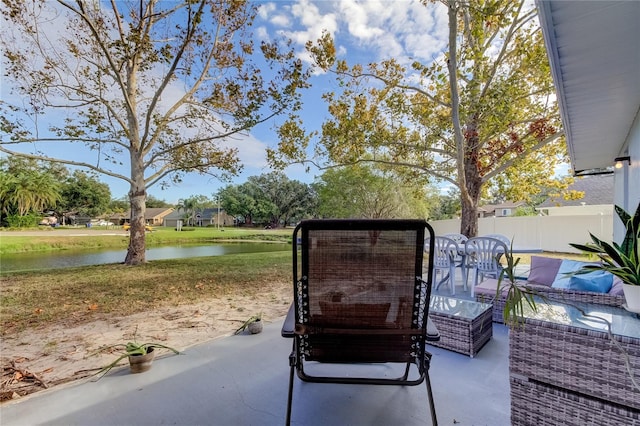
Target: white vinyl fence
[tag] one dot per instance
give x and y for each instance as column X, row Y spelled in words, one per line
column 550, row 233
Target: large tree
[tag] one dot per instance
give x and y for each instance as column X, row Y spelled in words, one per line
column 270, row 198
column 359, row 191
column 83, row 193
column 483, row 113
column 246, row 200
column 291, row 199
column 152, row 89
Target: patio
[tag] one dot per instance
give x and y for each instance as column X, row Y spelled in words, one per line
column 242, row 380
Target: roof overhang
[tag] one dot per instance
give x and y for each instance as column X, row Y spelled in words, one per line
column 594, row 52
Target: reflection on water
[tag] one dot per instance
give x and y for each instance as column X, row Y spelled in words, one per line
column 69, row 258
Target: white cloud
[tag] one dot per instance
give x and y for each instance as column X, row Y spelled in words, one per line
column 356, row 16
column 265, row 10
column 311, row 20
column 251, row 150
column 375, row 29
column 262, row 33
column 280, row 20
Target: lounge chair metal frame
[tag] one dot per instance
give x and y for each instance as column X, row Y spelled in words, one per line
column 369, row 257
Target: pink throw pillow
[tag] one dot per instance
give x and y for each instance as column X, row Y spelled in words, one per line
column 616, row 288
column 544, row 270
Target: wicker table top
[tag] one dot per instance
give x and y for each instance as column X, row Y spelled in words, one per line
column 587, row 316
column 466, row 309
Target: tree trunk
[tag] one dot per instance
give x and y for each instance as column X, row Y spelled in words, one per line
column 473, row 181
column 136, row 253
column 469, row 218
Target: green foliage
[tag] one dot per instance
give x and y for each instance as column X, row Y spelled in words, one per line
column 517, row 296
column 251, row 319
column 361, row 191
column 29, row 220
column 153, row 202
column 621, row 260
column 82, row 193
column 28, row 187
column 130, row 349
column 120, row 205
column 447, row 207
column 270, row 198
column 525, row 211
column 244, row 200
column 291, row 200
column 475, row 117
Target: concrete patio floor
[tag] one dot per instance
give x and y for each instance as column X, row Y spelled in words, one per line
column 242, row 380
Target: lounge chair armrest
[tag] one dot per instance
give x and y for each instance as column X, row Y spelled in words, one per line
column 289, row 325
column 433, row 335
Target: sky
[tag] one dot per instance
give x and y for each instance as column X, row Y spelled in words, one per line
column 364, row 32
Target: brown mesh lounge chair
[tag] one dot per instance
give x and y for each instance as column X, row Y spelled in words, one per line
column 359, row 297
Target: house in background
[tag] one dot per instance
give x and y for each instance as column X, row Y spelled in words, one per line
column 152, row 216
column 214, row 217
column 505, row 209
column 204, row 217
column 117, row 218
column 597, row 199
column 594, row 53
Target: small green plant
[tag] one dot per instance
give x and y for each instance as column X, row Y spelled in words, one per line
column 254, row 318
column 517, row 296
column 129, row 349
column 621, row 260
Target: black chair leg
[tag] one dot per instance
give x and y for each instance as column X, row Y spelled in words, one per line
column 292, row 363
column 427, row 380
column 432, row 407
column 288, row 421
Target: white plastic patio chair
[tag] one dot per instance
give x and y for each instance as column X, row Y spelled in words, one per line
column 484, row 254
column 461, row 258
column 444, row 261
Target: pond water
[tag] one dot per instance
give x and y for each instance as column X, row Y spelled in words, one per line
column 70, row 258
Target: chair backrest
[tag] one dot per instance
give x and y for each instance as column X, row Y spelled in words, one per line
column 358, row 288
column 500, row 237
column 485, row 252
column 445, row 251
column 460, row 239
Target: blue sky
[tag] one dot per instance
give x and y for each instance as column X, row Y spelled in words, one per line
column 365, row 31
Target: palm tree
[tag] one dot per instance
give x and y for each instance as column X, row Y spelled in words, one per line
column 27, row 189
column 190, row 206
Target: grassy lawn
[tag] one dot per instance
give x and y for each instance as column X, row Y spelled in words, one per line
column 56, row 240
column 83, row 294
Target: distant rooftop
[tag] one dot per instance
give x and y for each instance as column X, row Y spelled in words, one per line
column 491, row 208
column 598, row 190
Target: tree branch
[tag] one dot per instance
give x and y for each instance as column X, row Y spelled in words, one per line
column 69, row 162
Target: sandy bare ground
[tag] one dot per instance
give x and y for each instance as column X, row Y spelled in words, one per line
column 60, row 353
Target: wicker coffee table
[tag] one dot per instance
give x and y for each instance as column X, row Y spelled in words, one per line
column 465, row 326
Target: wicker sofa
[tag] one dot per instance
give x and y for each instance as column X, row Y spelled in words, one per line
column 543, row 273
